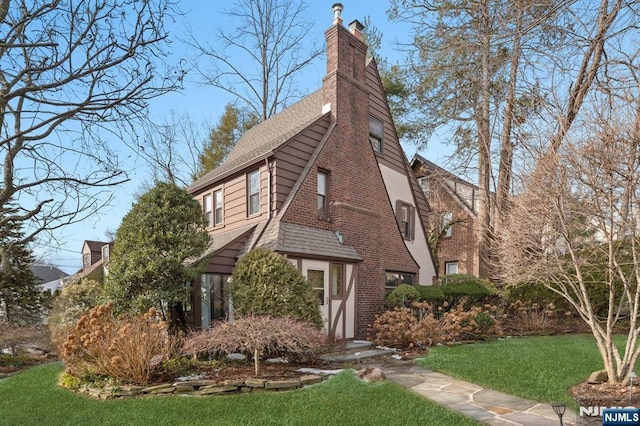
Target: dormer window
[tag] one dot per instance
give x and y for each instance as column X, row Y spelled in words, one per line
column 105, row 254
column 376, row 130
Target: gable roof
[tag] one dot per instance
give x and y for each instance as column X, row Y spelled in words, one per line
column 447, row 178
column 291, row 238
column 94, row 246
column 266, row 137
column 47, row 273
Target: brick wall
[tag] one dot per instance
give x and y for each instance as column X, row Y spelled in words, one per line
column 359, row 205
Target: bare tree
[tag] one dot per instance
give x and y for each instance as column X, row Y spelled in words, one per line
column 75, row 80
column 576, row 227
column 257, row 61
column 171, row 149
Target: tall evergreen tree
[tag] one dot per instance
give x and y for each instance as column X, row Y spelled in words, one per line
column 155, row 252
column 233, row 123
column 21, row 303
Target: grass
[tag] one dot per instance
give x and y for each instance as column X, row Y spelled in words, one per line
column 541, row 368
column 33, row 397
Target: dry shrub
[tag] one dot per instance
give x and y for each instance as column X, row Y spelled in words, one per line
column 128, row 349
column 257, row 336
column 394, row 328
column 531, row 318
column 423, row 326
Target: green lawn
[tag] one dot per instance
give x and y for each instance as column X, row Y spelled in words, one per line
column 32, row 397
column 541, row 368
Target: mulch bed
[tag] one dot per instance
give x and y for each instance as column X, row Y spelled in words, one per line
column 605, row 394
column 267, row 371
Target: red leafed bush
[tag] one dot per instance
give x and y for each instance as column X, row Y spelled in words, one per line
column 128, row 349
column 257, row 336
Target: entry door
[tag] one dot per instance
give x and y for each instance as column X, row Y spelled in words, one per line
column 334, row 286
column 317, row 273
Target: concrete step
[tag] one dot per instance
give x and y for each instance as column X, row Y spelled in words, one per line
column 357, row 351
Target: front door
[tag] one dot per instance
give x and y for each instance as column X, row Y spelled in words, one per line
column 317, row 273
column 333, row 283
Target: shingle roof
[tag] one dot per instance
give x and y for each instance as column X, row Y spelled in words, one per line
column 46, row 273
column 266, row 137
column 297, row 239
column 220, row 241
column 95, row 246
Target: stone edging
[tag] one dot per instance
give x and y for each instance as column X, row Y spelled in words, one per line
column 201, row 387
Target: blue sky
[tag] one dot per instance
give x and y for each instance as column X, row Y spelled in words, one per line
column 204, row 104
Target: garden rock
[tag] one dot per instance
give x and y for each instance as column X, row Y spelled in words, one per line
column 371, row 374
column 597, row 377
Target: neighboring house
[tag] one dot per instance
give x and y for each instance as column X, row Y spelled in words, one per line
column 454, row 203
column 326, row 183
column 95, row 255
column 48, row 277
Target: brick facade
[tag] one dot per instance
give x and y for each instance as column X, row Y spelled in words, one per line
column 462, row 245
column 359, row 205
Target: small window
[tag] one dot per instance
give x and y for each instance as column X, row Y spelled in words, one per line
column 253, row 193
column 105, row 254
column 394, row 279
column 323, row 182
column 450, row 268
column 376, row 130
column 406, row 219
column 336, row 280
column 447, row 225
column 207, row 207
column 424, row 184
column 316, row 279
column 86, row 261
column 218, row 207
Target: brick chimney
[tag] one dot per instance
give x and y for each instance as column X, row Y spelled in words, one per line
column 346, row 60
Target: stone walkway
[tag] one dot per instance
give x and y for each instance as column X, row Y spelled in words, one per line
column 485, row 405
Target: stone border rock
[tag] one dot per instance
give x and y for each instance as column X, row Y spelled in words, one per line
column 201, row 387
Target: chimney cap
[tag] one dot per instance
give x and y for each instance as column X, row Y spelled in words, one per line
column 337, row 12
column 356, row 25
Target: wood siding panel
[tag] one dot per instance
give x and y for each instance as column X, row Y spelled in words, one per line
column 392, row 156
column 293, row 157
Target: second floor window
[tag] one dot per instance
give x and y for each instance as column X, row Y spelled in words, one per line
column 218, row 207
column 447, row 225
column 405, row 214
column 376, row 130
column 253, row 193
column 323, row 182
column 207, row 206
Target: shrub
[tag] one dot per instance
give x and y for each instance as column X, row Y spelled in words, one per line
column 75, row 300
column 464, row 324
column 257, row 336
column 393, row 328
column 431, row 294
column 266, row 283
column 403, row 295
column 425, row 326
column 128, row 349
column 473, row 290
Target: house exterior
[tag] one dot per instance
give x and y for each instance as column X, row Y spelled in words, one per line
column 324, row 182
column 48, row 277
column 454, row 202
column 95, row 254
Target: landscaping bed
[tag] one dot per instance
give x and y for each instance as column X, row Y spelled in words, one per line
column 605, row 395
